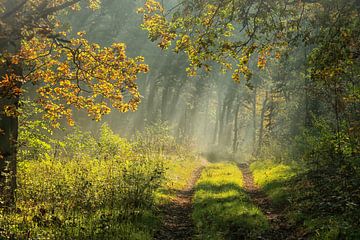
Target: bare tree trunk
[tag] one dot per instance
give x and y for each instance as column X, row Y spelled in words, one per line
column 164, row 103
column 236, row 127
column 206, row 116
column 226, row 139
column 269, row 116
column 261, row 130
column 254, row 118
column 222, row 123
column 150, row 102
column 175, row 100
column 217, row 121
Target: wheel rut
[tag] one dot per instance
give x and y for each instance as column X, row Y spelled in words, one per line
column 279, row 226
column 177, row 221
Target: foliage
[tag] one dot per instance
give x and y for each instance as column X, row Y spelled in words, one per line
column 77, row 74
column 226, row 32
column 35, row 135
column 156, row 137
column 222, row 209
column 81, row 196
column 322, row 148
column 320, row 201
column 180, row 163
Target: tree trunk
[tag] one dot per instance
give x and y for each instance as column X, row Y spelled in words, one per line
column 222, row 123
column 205, row 122
column 254, row 119
column 174, row 101
column 261, row 130
column 9, row 126
column 164, row 103
column 8, row 150
column 236, row 127
column 217, row 121
column 150, row 102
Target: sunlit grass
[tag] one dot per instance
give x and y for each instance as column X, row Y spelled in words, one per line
column 311, row 203
column 271, row 178
column 178, row 173
column 222, row 209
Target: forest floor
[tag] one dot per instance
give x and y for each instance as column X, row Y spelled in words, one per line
column 279, row 226
column 177, row 221
column 178, row 224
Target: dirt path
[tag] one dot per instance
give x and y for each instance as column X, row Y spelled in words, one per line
column 279, row 227
column 178, row 224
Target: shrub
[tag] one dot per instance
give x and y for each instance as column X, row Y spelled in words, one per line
column 97, row 188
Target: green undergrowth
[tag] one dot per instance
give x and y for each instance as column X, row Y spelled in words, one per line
column 95, row 187
column 179, row 171
column 222, row 209
column 273, row 178
column 323, row 204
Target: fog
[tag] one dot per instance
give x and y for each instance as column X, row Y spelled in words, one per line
column 210, row 110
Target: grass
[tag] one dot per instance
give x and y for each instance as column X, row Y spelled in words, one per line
column 178, row 173
column 222, row 209
column 272, row 178
column 103, row 187
column 314, row 201
column 82, row 199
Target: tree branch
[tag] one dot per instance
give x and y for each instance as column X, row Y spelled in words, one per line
column 55, row 9
column 14, row 10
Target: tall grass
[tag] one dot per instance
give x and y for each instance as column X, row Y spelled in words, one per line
column 92, row 188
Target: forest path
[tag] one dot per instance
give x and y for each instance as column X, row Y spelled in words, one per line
column 178, row 224
column 279, row 226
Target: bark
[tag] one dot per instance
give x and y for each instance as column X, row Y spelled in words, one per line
column 9, row 126
column 164, row 103
column 254, row 118
column 236, row 127
column 217, row 121
column 206, row 117
column 8, row 150
column 269, row 116
column 175, row 100
column 222, row 122
column 150, row 102
column 261, row 130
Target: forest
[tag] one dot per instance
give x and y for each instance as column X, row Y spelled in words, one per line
column 180, row 119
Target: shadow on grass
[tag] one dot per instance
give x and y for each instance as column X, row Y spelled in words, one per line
column 219, row 188
column 279, row 191
column 224, row 211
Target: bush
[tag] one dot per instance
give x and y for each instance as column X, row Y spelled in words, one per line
column 98, row 188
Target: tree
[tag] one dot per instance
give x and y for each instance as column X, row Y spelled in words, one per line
column 238, row 33
column 67, row 72
column 226, row 32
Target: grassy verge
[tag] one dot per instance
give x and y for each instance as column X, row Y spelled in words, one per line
column 179, row 172
column 315, row 201
column 96, row 187
column 222, row 210
column 273, row 178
